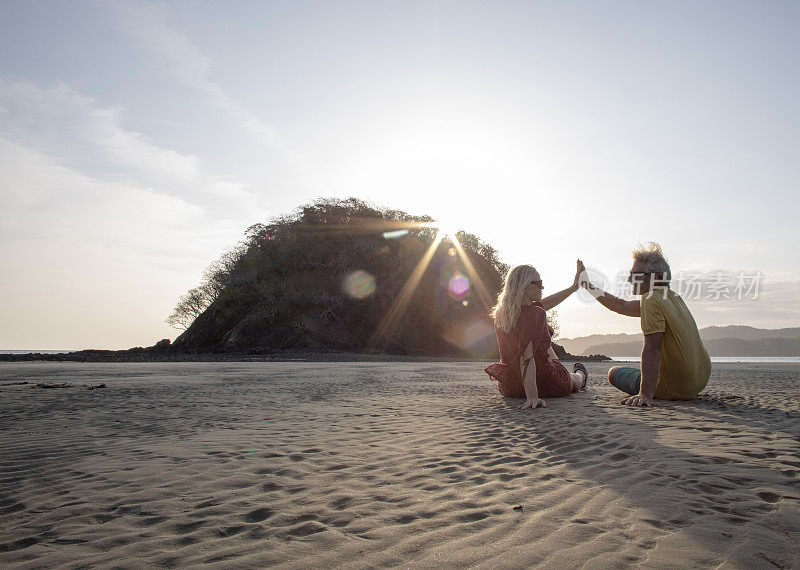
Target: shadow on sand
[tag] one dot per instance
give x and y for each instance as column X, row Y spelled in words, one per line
column 711, row 472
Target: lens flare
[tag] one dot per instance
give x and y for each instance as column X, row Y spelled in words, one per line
column 484, row 297
column 451, row 252
column 390, row 320
column 394, row 234
column 359, row 284
column 458, row 285
column 475, row 337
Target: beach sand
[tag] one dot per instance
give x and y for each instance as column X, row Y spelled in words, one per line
column 380, row 464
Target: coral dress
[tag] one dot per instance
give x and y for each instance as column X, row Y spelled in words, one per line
column 552, row 379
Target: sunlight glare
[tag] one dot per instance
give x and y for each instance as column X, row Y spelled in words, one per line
column 390, row 320
column 448, row 228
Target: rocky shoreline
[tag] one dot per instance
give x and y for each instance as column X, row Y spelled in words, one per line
column 163, row 351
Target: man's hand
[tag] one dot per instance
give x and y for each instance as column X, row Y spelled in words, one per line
column 532, row 404
column 638, row 400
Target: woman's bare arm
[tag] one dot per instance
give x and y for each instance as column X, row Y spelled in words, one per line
column 532, row 400
column 556, row 298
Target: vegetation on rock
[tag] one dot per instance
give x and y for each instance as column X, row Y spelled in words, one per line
column 346, row 275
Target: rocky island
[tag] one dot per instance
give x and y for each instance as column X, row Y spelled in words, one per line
column 336, row 280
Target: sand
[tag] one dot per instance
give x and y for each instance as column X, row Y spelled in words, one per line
column 304, row 465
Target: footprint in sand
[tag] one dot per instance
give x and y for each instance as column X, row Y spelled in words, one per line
column 231, row 531
column 768, row 497
column 150, row 521
column 307, row 529
column 206, row 504
column 186, row 528
column 341, row 502
column 258, row 515
column 19, row 544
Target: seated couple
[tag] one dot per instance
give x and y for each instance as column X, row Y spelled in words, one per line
column 675, row 364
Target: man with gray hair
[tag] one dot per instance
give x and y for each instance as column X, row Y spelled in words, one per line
column 675, row 364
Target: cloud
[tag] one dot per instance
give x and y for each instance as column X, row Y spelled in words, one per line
column 93, row 262
column 147, row 22
column 78, row 133
column 103, row 228
column 50, row 202
column 63, row 123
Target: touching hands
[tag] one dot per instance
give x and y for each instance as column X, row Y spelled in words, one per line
column 532, row 404
column 578, row 272
column 638, row 400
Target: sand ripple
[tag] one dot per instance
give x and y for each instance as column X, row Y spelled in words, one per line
column 396, row 464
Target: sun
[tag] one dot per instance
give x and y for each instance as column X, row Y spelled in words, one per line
column 448, row 227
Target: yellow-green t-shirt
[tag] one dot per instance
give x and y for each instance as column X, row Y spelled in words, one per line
column 685, row 364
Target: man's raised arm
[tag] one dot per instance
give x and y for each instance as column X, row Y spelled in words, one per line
column 612, row 303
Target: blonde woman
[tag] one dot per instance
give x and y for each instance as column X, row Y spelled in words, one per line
column 526, row 368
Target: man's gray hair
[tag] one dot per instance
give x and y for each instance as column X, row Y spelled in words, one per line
column 651, row 254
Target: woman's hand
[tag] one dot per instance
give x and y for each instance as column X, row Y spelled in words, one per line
column 532, row 404
column 578, row 272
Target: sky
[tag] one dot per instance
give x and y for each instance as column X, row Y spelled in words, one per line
column 138, row 140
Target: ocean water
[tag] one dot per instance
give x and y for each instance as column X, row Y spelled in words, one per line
column 751, row 359
column 35, row 350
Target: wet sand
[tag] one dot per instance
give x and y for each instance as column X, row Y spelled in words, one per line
column 390, row 464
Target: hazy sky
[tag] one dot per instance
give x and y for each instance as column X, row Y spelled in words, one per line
column 138, row 140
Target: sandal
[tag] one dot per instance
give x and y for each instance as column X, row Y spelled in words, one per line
column 582, row 368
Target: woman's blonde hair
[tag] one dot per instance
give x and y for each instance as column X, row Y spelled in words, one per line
column 510, row 300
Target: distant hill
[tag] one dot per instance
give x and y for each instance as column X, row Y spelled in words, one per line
column 580, row 345
column 733, row 340
column 756, row 347
column 747, row 333
column 632, row 348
